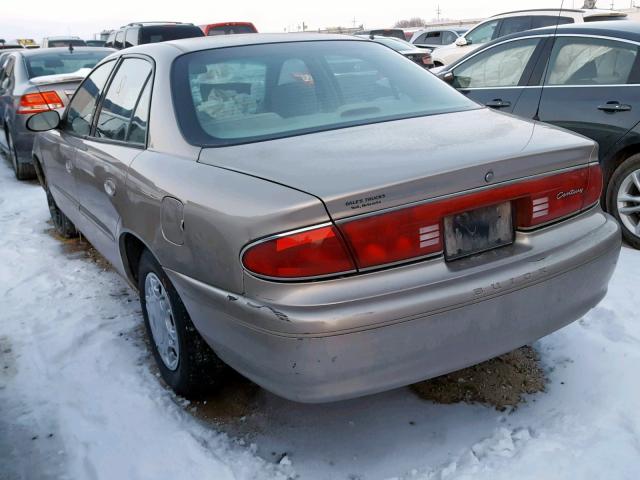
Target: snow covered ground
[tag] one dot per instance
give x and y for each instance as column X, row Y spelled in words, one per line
column 79, row 396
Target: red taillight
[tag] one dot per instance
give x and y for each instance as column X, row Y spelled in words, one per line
column 309, row 253
column 39, row 102
column 414, row 232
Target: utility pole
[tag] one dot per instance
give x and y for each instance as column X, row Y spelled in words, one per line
column 438, row 12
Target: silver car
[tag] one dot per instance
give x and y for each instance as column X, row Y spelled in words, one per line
column 322, row 214
column 34, row 81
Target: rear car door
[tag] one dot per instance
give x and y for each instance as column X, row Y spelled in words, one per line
column 498, row 76
column 592, row 86
column 103, row 159
column 59, row 146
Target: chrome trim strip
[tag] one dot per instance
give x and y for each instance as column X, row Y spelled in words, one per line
column 458, row 194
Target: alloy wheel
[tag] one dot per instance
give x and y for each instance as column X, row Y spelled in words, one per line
column 161, row 321
column 628, row 202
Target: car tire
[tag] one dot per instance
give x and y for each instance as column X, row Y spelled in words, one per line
column 623, row 199
column 23, row 171
column 187, row 364
column 61, row 222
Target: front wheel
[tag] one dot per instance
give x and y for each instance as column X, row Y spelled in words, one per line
column 61, row 222
column 187, row 364
column 623, row 199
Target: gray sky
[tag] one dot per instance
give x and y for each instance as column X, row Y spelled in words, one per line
column 39, row 18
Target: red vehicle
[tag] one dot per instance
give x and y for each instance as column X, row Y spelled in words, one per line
column 228, row 28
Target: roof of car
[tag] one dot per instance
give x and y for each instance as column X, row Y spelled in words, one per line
column 586, row 11
column 242, row 39
column 624, row 29
column 33, row 52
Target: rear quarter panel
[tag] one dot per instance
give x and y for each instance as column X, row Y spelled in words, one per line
column 223, row 211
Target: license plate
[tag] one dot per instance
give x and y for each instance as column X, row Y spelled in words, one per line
column 478, row 230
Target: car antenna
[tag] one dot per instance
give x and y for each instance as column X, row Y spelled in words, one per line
column 544, row 74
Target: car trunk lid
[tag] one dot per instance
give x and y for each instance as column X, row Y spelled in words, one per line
column 368, row 168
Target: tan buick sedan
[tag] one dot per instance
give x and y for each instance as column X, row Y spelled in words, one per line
column 322, row 214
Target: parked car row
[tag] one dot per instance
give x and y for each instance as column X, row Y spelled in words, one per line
column 320, row 213
column 583, row 77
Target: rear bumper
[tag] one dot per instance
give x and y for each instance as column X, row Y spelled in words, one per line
column 325, row 351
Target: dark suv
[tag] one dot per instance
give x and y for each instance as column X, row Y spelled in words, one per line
column 139, row 33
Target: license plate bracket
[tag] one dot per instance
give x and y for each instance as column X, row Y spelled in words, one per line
column 478, row 230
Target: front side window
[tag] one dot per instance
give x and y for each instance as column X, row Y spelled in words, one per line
column 448, row 38
column 500, row 66
column 590, row 61
column 121, row 99
column 482, row 33
column 58, row 63
column 83, row 105
column 251, row 93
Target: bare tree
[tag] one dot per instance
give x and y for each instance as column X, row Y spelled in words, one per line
column 412, row 22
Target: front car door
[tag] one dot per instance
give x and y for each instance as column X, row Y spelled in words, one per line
column 103, row 158
column 58, row 147
column 592, row 87
column 499, row 76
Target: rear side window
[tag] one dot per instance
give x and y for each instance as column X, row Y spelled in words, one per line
column 230, row 29
column 514, row 25
column 119, row 41
column 83, row 105
column 549, row 21
column 500, row 66
column 164, row 33
column 434, row 38
column 591, row 61
column 260, row 92
column 62, row 62
column 131, row 37
column 121, row 99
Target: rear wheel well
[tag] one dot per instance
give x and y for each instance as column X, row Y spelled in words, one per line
column 617, row 159
column 39, row 172
column 132, row 248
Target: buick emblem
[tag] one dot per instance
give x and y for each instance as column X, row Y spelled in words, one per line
column 489, row 176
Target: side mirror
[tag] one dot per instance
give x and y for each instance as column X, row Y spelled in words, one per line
column 447, row 77
column 43, row 121
column 461, row 42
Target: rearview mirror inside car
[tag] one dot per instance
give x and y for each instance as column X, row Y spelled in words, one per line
column 461, row 42
column 41, row 122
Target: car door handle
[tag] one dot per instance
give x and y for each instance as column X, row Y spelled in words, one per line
column 498, row 103
column 110, row 187
column 613, row 107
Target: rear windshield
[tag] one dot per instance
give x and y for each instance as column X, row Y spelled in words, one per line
column 231, row 29
column 62, row 62
column 164, row 33
column 66, row 43
column 395, row 43
column 259, row 92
